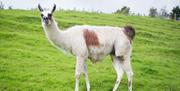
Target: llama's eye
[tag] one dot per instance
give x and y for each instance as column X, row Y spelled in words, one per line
column 42, row 15
column 49, row 15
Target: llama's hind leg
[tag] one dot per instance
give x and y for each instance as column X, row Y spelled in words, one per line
column 120, row 49
column 126, row 64
column 119, row 71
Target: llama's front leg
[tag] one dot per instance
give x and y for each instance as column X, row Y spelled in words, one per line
column 86, row 77
column 128, row 69
column 119, row 71
column 79, row 70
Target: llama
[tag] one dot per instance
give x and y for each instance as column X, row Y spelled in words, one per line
column 93, row 42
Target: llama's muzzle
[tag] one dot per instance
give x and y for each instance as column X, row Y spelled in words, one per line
column 46, row 20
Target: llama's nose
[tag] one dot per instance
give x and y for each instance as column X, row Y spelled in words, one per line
column 45, row 18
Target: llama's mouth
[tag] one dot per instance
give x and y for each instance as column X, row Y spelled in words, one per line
column 47, row 22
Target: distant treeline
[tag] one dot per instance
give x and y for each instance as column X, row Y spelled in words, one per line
column 153, row 12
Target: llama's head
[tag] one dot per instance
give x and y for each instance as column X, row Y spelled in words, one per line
column 46, row 15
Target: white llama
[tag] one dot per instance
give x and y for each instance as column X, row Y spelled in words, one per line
column 93, row 42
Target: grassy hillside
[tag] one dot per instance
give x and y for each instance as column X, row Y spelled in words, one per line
column 29, row 62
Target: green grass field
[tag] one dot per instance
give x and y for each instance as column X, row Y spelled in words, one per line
column 29, row 63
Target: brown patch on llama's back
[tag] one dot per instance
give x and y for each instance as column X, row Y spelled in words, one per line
column 91, row 38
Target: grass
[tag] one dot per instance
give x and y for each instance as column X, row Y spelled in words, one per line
column 29, row 63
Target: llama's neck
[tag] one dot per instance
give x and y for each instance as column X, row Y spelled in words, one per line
column 52, row 30
column 55, row 35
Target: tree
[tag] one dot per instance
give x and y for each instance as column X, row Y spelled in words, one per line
column 153, row 12
column 10, row 8
column 1, row 5
column 163, row 13
column 175, row 13
column 124, row 10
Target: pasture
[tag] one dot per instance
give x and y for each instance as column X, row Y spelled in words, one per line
column 28, row 62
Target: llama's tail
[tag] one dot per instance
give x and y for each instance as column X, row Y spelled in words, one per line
column 129, row 32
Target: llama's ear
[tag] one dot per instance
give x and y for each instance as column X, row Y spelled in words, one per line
column 54, row 8
column 40, row 9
